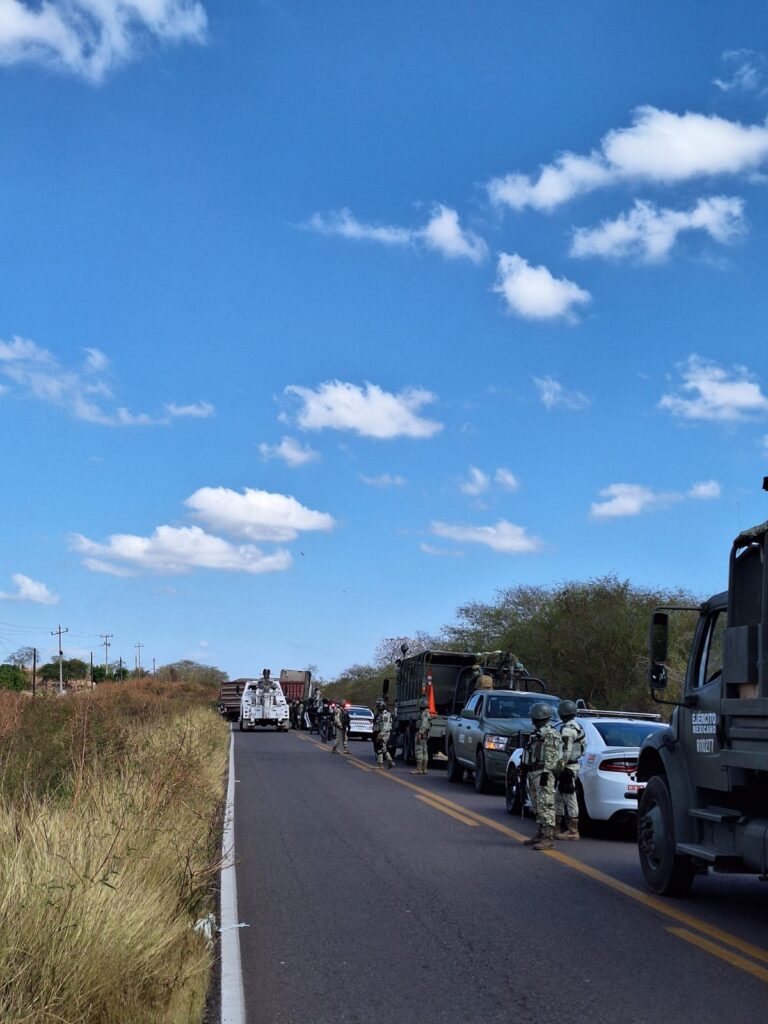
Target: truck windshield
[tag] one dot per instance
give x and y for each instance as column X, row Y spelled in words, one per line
column 515, row 707
column 626, row 734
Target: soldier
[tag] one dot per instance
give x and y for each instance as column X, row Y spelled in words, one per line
column 574, row 743
column 423, row 725
column 382, row 726
column 341, row 723
column 541, row 759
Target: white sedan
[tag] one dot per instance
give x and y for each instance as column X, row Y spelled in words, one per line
column 360, row 721
column 607, row 789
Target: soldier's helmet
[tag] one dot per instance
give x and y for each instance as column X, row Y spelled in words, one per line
column 423, row 703
column 381, row 703
column 541, row 712
column 567, row 710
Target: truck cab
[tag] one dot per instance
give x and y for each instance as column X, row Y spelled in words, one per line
column 263, row 704
column 705, row 805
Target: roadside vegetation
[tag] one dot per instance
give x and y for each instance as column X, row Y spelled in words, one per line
column 110, row 805
column 585, row 639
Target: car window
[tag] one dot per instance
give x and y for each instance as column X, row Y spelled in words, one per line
column 472, row 704
column 510, row 706
column 626, row 734
column 480, row 706
column 360, row 712
column 711, row 663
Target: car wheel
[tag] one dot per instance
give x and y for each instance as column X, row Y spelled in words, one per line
column 513, row 793
column 482, row 785
column 665, row 871
column 455, row 770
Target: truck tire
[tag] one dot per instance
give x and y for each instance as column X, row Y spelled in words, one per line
column 482, row 783
column 455, row 770
column 666, row 872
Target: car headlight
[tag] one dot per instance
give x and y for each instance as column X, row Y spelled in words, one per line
column 495, row 742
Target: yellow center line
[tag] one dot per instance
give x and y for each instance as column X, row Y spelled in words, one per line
column 723, row 954
column 663, row 907
column 446, row 810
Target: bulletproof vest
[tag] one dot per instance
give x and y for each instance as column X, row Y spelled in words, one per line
column 577, row 736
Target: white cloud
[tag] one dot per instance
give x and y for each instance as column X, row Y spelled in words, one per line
column 744, row 71
column 503, row 536
column 712, row 393
column 368, row 411
column 659, row 147
column 443, row 233
column 478, row 482
column 630, row 500
column 84, row 392
column 255, row 515
column 553, row 394
column 174, row 551
column 29, row 590
column 705, row 490
column 533, row 292
column 384, row 480
column 506, row 479
column 290, row 451
column 649, row 233
column 195, row 410
column 90, row 38
column 430, row 549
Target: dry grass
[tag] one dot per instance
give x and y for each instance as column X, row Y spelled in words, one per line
column 108, row 858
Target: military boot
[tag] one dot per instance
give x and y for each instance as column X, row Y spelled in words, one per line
column 559, row 826
column 416, row 771
column 573, row 829
column 547, row 840
column 536, row 838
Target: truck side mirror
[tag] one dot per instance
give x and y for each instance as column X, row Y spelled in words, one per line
column 659, row 636
column 658, row 676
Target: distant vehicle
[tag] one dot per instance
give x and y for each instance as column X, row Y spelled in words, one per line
column 263, row 704
column 229, row 698
column 607, row 786
column 296, row 684
column 481, row 738
column 360, row 721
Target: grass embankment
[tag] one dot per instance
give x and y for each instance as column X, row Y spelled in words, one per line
column 109, row 848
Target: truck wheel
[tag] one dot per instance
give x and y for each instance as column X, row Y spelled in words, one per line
column 665, row 871
column 513, row 793
column 482, row 785
column 455, row 771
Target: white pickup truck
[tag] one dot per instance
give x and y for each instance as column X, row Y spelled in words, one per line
column 262, row 704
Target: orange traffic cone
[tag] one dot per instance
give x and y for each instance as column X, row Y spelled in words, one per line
column 430, row 694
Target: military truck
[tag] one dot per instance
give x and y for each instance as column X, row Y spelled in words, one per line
column 447, row 679
column 705, row 804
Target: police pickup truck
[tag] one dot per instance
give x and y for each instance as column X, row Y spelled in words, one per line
column 490, row 726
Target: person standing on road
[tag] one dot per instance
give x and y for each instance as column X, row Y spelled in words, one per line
column 423, row 725
column 382, row 727
column 574, row 741
column 341, row 723
column 541, row 759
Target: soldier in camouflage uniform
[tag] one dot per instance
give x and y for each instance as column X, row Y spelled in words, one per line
column 541, row 759
column 382, row 726
column 423, row 725
column 574, row 743
column 341, row 724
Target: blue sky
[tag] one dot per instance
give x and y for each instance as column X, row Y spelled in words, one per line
column 319, row 320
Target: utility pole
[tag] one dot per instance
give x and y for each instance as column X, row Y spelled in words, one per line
column 34, row 670
column 154, row 667
column 138, row 657
column 91, row 677
column 57, row 632
column 120, row 669
column 106, row 637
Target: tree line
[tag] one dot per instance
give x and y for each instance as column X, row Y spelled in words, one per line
column 15, row 673
column 585, row 639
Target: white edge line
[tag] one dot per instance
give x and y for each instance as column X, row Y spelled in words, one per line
column 232, row 997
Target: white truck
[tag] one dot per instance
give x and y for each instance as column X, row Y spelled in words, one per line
column 262, row 704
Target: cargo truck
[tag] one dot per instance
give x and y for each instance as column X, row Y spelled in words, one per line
column 447, row 679
column 705, row 803
column 296, row 684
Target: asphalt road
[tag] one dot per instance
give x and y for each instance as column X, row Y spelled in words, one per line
column 377, row 896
